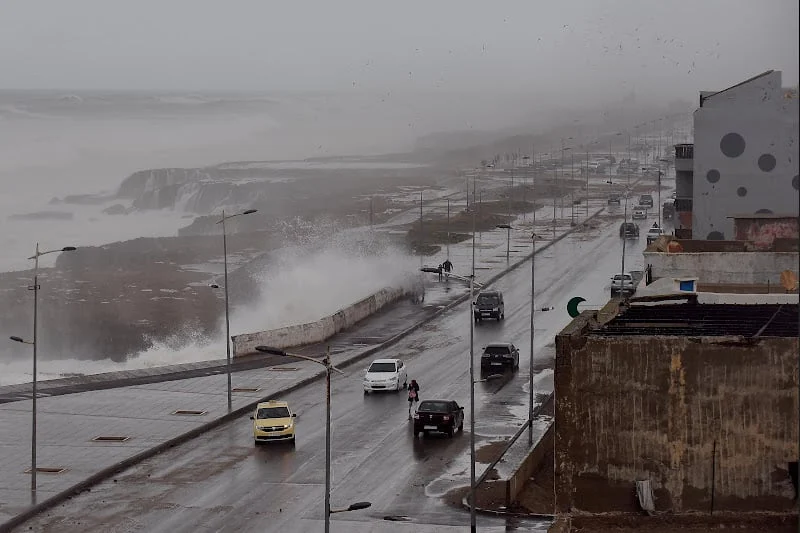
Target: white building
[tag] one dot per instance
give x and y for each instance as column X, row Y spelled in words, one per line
column 746, row 154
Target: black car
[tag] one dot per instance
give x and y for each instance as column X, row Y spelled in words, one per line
column 614, row 200
column 629, row 230
column 443, row 416
column 500, row 355
column 489, row 304
column 646, row 200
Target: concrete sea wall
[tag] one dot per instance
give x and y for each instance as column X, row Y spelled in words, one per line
column 318, row 331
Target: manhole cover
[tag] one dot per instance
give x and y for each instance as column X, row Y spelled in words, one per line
column 111, row 438
column 47, row 470
column 245, row 389
column 397, row 518
column 286, row 368
column 188, row 412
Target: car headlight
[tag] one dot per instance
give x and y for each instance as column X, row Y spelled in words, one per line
column 496, row 309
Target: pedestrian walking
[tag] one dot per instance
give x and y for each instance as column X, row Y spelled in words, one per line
column 413, row 395
column 447, row 266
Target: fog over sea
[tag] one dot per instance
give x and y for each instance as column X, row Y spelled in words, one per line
column 59, row 143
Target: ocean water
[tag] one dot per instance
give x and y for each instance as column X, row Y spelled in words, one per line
column 54, row 144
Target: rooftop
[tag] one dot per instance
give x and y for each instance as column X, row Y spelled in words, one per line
column 698, row 320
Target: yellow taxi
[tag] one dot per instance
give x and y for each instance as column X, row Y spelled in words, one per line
column 273, row 420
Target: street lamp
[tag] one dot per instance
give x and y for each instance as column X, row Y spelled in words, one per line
column 35, row 289
column 227, row 308
column 472, row 518
column 326, row 362
column 508, row 238
column 353, row 507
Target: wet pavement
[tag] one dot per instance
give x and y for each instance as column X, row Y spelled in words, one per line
column 220, row 481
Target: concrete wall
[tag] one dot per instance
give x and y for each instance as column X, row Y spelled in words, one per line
column 318, row 331
column 723, row 267
column 745, row 155
column 532, row 463
column 650, row 407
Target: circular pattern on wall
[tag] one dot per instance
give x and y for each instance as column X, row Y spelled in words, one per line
column 764, row 212
column 712, row 175
column 766, row 162
column 732, row 144
column 796, row 182
column 715, row 236
column 741, row 191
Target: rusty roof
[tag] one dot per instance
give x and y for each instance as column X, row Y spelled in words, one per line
column 701, row 320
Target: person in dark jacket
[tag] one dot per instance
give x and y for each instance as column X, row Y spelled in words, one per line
column 413, row 395
column 447, row 266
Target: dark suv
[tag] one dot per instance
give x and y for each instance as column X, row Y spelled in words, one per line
column 499, row 355
column 629, row 230
column 444, row 416
column 489, row 304
column 646, row 200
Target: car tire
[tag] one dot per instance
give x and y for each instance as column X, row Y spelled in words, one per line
column 292, row 442
column 451, row 431
column 366, row 392
column 256, row 443
column 502, row 316
column 461, row 426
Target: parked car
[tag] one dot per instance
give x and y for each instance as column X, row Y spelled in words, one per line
column 614, row 199
column 385, row 374
column 273, row 420
column 639, row 213
column 500, row 355
column 489, row 304
column 654, row 233
column 629, row 230
column 622, row 283
column 443, row 416
column 646, row 200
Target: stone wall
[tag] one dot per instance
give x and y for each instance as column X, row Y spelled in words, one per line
column 318, row 331
column 723, row 267
column 655, row 407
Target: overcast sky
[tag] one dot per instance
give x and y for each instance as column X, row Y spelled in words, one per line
column 603, row 46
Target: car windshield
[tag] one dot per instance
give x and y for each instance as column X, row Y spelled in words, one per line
column 434, row 407
column 497, row 350
column 272, row 412
column 618, row 277
column 381, row 367
column 488, row 299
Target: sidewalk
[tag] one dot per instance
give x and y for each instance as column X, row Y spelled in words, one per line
column 146, row 413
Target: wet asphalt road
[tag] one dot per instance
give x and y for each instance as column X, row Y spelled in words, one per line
column 222, row 482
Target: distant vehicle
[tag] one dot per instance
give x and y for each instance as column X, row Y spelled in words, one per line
column 273, row 420
column 500, row 354
column 668, row 210
column 673, row 195
column 639, row 213
column 443, row 416
column 646, row 200
column 622, row 283
column 654, row 233
column 629, row 230
column 614, row 199
column 385, row 374
column 489, row 304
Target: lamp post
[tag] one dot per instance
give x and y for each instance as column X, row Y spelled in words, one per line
column 227, row 308
column 472, row 517
column 35, row 289
column 326, row 362
column 533, row 335
column 507, row 227
column 473, row 524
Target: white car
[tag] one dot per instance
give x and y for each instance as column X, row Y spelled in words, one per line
column 639, row 214
column 385, row 374
column 653, row 234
